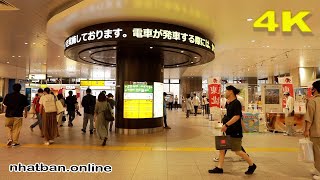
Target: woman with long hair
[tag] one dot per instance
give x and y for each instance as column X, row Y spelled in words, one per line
column 48, row 111
column 101, row 123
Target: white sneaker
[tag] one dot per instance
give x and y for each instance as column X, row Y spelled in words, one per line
column 316, row 177
column 51, row 141
column 46, row 143
column 216, row 159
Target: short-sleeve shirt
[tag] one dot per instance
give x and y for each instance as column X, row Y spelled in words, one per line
column 234, row 109
column 313, row 116
column 15, row 103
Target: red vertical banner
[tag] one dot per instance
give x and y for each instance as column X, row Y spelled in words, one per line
column 287, row 88
column 214, row 91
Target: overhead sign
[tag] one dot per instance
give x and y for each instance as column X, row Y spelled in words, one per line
column 38, row 76
column 92, row 83
column 139, row 31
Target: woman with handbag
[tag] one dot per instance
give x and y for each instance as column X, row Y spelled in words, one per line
column 48, row 110
column 103, row 114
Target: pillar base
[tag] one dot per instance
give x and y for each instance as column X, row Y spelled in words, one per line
column 138, row 131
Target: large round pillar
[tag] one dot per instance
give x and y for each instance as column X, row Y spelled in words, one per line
column 137, row 63
column 139, row 51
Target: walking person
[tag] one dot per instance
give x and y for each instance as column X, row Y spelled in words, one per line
column 165, row 111
column 112, row 104
column 196, row 103
column 289, row 120
column 183, row 104
column 61, row 115
column 189, row 105
column 71, row 102
column 232, row 126
column 36, row 105
column 101, row 123
column 171, row 102
column 88, row 103
column 49, row 116
column 15, row 103
column 176, row 102
column 312, row 127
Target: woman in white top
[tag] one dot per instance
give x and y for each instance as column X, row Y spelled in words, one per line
column 48, row 111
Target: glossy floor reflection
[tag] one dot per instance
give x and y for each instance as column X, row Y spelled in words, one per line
column 184, row 152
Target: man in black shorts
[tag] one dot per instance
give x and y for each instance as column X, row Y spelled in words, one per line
column 232, row 126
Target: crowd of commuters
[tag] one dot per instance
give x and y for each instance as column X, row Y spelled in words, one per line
column 48, row 118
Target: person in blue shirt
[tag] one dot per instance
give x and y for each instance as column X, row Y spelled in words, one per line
column 165, row 111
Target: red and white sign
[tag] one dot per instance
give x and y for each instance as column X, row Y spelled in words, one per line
column 287, row 86
column 214, row 91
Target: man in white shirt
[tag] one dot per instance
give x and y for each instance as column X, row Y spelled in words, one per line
column 196, row 103
column 290, row 118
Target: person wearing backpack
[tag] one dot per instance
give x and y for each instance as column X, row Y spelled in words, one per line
column 103, row 114
column 88, row 103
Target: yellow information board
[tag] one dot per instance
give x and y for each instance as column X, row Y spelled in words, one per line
column 138, row 108
column 91, row 83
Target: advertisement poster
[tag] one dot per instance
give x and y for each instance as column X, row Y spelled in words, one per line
column 251, row 122
column 287, row 86
column 272, row 96
column 158, row 100
column 138, row 100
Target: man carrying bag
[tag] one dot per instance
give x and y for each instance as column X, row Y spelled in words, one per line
column 232, row 127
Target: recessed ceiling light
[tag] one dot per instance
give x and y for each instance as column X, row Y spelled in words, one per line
column 309, row 46
column 58, row 56
column 13, row 56
column 84, row 57
column 94, row 62
column 25, row 43
column 44, row 63
column 114, row 47
column 182, row 51
column 249, row 19
column 195, row 57
column 151, row 47
column 191, row 62
column 253, row 41
column 90, row 51
column 113, row 57
column 268, row 46
column 33, row 43
column 19, row 56
column 8, row 62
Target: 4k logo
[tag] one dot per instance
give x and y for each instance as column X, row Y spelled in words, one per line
column 268, row 21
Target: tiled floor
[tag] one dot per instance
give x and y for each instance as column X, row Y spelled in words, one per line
column 184, row 152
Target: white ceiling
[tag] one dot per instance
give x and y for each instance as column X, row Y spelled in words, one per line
column 223, row 21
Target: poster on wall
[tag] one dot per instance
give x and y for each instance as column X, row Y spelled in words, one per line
column 138, row 100
column 243, row 95
column 158, row 100
column 287, row 86
column 251, row 122
column 271, row 95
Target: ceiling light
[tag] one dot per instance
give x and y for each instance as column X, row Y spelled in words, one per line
column 309, row 46
column 151, row 47
column 268, row 46
column 249, row 19
column 44, row 63
column 191, row 62
column 94, row 62
column 182, row 51
column 19, row 56
column 84, row 57
column 113, row 57
column 25, row 43
column 253, row 41
column 90, row 51
column 114, row 47
column 33, row 43
column 58, row 56
column 13, row 56
column 8, row 62
column 195, row 57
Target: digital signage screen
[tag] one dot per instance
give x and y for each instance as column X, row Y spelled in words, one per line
column 138, row 100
